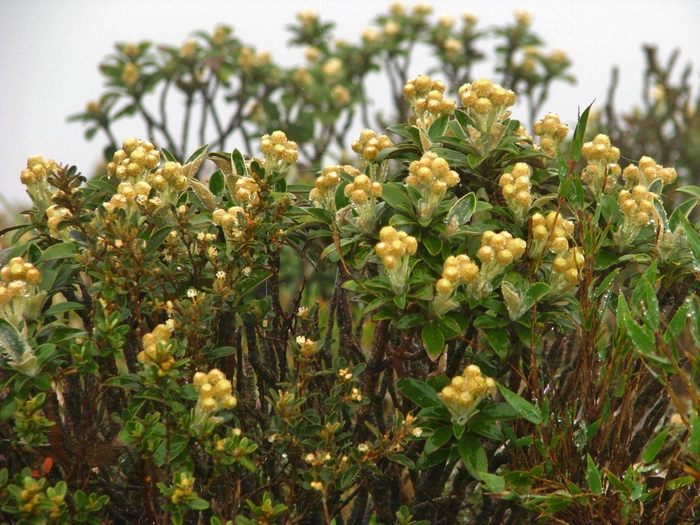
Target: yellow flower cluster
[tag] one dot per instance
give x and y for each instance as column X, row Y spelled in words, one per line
column 183, row 489
column 355, row 396
column 369, row 145
column 393, row 246
column 133, row 159
column 130, row 74
column 55, row 214
column 551, row 132
column 247, row 191
column 229, row 222
column 363, row 194
column 426, row 96
column 432, row 176
column 553, row 228
column 333, row 68
column 497, row 251
column 188, row 49
column 317, row 459
column 515, row 188
column 362, row 190
column 34, row 177
column 463, row 394
column 214, row 391
column 37, row 170
column 249, row 59
column 279, row 152
column 602, row 168
column 170, row 174
column 486, row 103
column 31, row 498
column 136, row 164
column 340, row 95
column 393, row 249
column 566, row 270
column 455, row 271
column 157, row 349
column 500, row 248
column 637, row 205
column 20, row 271
column 17, row 290
column 323, row 194
column 220, row 35
column 646, row 172
column 307, row 347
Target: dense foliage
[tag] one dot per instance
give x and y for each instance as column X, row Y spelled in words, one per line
column 460, row 324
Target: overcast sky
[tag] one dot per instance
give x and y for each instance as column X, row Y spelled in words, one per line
column 50, row 51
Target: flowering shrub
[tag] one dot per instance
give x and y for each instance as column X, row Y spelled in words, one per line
column 459, row 325
column 233, row 93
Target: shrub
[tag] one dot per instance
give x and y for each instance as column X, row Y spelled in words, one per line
column 462, row 326
column 231, row 91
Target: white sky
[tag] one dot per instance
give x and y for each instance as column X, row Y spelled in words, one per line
column 50, row 51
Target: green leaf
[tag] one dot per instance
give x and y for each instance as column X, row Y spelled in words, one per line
column 64, row 250
column 655, row 446
column 438, row 457
column 206, row 196
column 195, row 160
column 217, row 183
column 60, row 308
column 496, row 412
column 349, row 475
column 433, row 339
column 224, row 165
column 595, row 484
column 8, row 410
column 461, row 211
column 198, row 504
column 439, row 437
column 239, row 163
column 690, row 190
column 409, row 321
column 488, row 429
column 605, row 283
column 320, row 214
column 679, row 482
column 418, row 392
column 562, row 167
column 641, row 336
column 13, row 341
column 473, row 455
column 156, row 238
column 494, row 483
column 439, row 413
column 579, row 132
column 499, row 342
column 691, row 235
column 454, row 158
column 676, row 325
column 437, row 128
column 394, row 194
column 576, row 196
column 168, row 156
column 521, row 406
column 402, row 460
column 615, row 481
column 222, row 351
column 433, row 244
